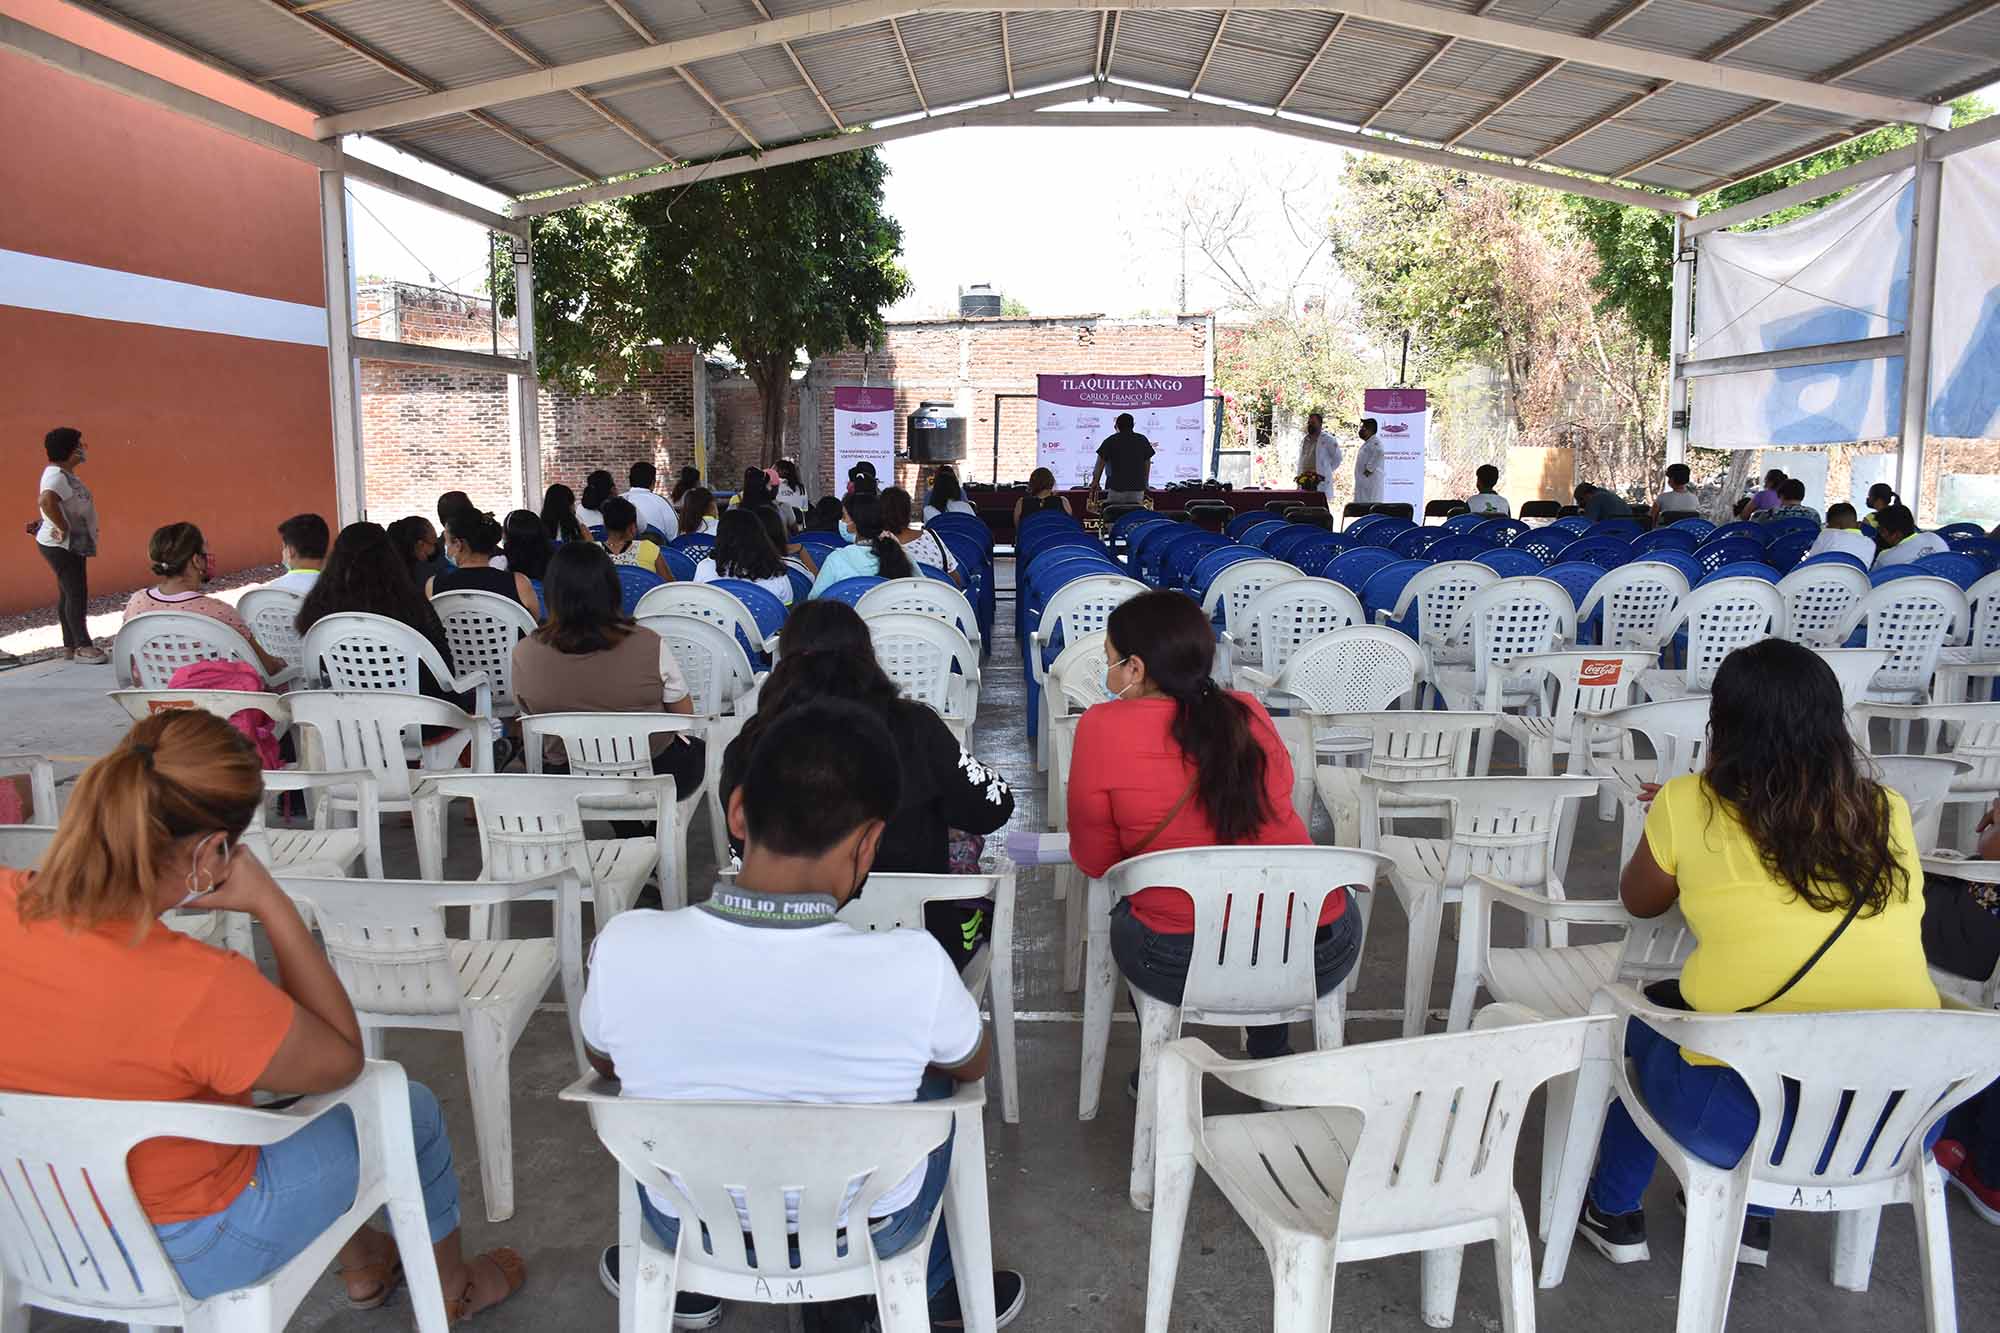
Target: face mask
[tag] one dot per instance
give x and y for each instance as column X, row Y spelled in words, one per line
column 207, row 567
column 846, row 531
column 1116, row 694
column 82, row 454
column 195, row 887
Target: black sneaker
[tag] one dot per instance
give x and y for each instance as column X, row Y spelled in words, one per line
column 1010, row 1289
column 1754, row 1246
column 691, row 1308
column 1620, row 1237
column 1132, row 1086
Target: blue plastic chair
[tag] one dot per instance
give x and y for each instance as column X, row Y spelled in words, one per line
column 1577, row 577
column 1463, row 522
column 1351, row 568
column 1412, row 544
column 1741, row 569
column 1676, row 538
column 1381, row 589
column 1779, row 529
column 1689, row 567
column 821, row 544
column 1461, row 546
column 1759, row 532
column 1215, row 561
column 933, row 572
column 1785, row 553
column 597, row 532
column 1361, row 526
column 1383, row 531
column 850, row 590
column 1138, row 550
column 1259, row 529
column 1236, row 526
column 1950, row 530
column 1294, row 537
column 634, row 583
column 1044, row 520
column 540, row 600
column 680, row 564
column 1503, row 531
column 1845, row 557
column 696, row 544
column 1312, row 557
column 1177, row 565
column 1960, row 569
column 1624, row 529
column 802, row 584
column 1702, row 528
column 1543, row 543
column 1604, row 552
column 1878, row 577
column 1983, row 549
column 1576, row 525
column 1126, row 525
column 1152, row 566
column 1027, row 548
column 1508, row 562
column 1716, row 552
column 970, row 524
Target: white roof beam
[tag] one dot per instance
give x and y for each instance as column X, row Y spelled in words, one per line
column 1443, row 50
column 1221, row 24
column 896, row 31
column 1631, row 11
column 1006, row 55
column 1804, row 192
column 1339, row 21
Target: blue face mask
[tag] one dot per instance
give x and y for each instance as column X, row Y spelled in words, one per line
column 846, row 531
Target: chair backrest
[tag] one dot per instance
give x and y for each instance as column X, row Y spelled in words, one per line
column 1358, row 669
column 1076, row 677
column 1255, row 912
column 1818, row 599
column 272, row 615
column 634, row 583
column 1913, row 619
column 1925, row 780
column 703, row 601
column 1722, row 617
column 1635, row 600
column 1415, row 742
column 22, row 846
column 1655, row 947
column 1081, row 606
column 1439, row 592
column 1973, row 737
column 922, row 597
column 1855, row 669
column 359, row 651
column 712, row 662
column 1231, row 591
column 225, row 704
column 1513, row 618
column 481, row 629
column 1287, row 615
column 923, row 655
column 387, row 942
column 1505, row 828
column 768, row 611
column 1582, row 680
column 366, row 729
column 532, row 824
column 1676, row 729
column 603, row 745
column 1509, row 562
column 897, row 901
column 151, row 647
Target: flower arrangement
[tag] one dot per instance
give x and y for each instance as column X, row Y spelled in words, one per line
column 1309, row 481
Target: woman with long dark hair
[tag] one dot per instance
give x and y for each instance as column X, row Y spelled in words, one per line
column 781, row 538
column 598, row 487
column 921, row 545
column 743, row 550
column 472, row 542
column 946, row 496
column 698, row 510
column 527, row 544
column 559, row 515
column 415, row 542
column 874, row 549
column 689, row 478
column 1800, row 880
column 1175, row 761
column 824, row 652
column 364, row 572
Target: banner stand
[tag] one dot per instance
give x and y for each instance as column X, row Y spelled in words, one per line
column 1074, row 414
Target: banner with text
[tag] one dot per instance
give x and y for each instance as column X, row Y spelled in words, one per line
column 864, row 430
column 1075, row 413
column 1403, row 427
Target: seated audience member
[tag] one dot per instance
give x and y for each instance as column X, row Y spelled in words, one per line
column 871, row 549
column 946, row 496
column 416, row 545
column 110, row 1003
column 1174, row 761
column 922, row 546
column 302, row 542
column 861, row 477
column 689, row 478
column 825, row 653
column 450, row 505
column 590, row 657
column 1842, row 534
column 1486, row 500
column 1800, row 881
column 1962, row 936
column 698, row 510
column 757, row 490
column 179, row 557
column 364, row 573
column 743, row 550
column 1768, row 498
column 791, row 492
column 1677, row 498
column 1597, row 504
column 559, row 515
column 623, row 543
column 807, row 1009
column 1897, row 540
column 1791, row 503
column 598, row 487
column 826, row 515
column 472, row 543
column 527, row 544
column 1041, row 496
column 781, row 539
column 655, row 511
column 1880, row 496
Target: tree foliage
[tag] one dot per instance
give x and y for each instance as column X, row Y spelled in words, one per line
column 797, row 260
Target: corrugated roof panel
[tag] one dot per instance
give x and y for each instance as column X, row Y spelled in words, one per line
column 1246, row 74
column 1578, row 18
column 474, row 151
column 1761, row 140
column 747, row 74
column 1552, row 111
column 1163, row 47
column 428, row 39
column 1682, row 27
column 861, row 73
column 1606, row 150
column 1364, row 67
column 560, row 33
column 957, row 56
column 1287, row 38
column 666, row 110
column 1836, row 32
column 1930, row 66
column 340, row 81
column 670, row 20
column 1052, row 47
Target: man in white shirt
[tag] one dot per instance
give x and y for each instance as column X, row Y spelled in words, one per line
column 1843, row 536
column 1900, row 542
column 1319, row 452
column 655, row 511
column 1487, row 500
column 1368, row 466
column 761, row 994
column 304, row 541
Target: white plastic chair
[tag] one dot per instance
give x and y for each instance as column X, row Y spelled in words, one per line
column 930, row 662
column 1507, row 828
column 1867, row 1117
column 717, row 670
column 354, row 650
column 1580, row 680
column 620, row 745
column 897, row 902
column 1079, row 607
column 322, row 849
column 1925, row 781
column 22, row 846
column 720, row 1162
column 1284, row 618
column 922, row 596
column 1359, row 669
column 272, row 615
column 1855, row 669
column 387, row 942
column 1374, row 1162
column 1635, row 600
column 1256, row 910
column 1974, row 655
column 703, row 601
column 1983, row 993
column 151, row 647
column 1074, row 682
column 142, row 704
column 481, row 629
column 1818, row 598
column 1513, row 618
column 1968, row 732
column 1229, row 596
column 1913, row 619
column 1675, row 729
column 77, row 1241
column 1720, row 617
column 1438, row 594
column 376, row 730
column 41, row 785
column 1404, row 743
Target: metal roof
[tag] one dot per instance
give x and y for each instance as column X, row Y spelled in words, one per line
column 611, row 87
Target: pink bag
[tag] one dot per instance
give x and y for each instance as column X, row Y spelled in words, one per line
column 216, row 674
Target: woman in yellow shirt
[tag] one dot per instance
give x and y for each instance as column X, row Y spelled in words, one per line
column 1800, row 880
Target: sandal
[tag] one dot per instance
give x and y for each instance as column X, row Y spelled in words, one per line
column 511, row 1268
column 387, row 1276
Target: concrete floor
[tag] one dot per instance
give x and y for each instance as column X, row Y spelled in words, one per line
column 1058, row 1186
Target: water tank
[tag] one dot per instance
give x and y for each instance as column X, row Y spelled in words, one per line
column 936, row 433
column 979, row 301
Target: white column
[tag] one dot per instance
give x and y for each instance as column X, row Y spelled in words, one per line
column 527, row 397
column 343, row 371
column 1917, row 341
column 1681, row 329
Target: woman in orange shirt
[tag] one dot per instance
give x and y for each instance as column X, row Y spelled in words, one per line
column 106, row 1002
column 1176, row 761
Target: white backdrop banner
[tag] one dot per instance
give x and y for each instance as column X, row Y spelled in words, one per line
column 1403, row 425
column 1965, row 327
column 1074, row 414
column 864, row 427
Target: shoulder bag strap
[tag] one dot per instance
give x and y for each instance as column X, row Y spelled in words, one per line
column 1853, row 910
column 1174, row 814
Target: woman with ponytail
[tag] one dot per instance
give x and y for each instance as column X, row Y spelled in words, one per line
column 875, row 551
column 109, row 1003
column 1175, row 761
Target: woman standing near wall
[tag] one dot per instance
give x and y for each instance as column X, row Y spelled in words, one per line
column 66, row 537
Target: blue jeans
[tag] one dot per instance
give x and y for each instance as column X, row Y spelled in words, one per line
column 893, row 1234
column 301, row 1187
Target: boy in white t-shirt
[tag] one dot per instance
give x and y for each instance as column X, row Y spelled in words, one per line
column 303, row 539
column 1842, row 535
column 1486, row 500
column 760, row 994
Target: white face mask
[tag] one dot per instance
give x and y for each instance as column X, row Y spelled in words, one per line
column 195, row 887
column 1116, row 694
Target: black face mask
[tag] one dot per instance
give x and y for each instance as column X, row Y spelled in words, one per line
column 855, row 896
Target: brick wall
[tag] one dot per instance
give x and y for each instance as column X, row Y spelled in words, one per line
column 426, row 430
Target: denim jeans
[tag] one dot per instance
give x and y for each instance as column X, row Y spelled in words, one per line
column 301, row 1186
column 892, row 1235
column 1157, row 964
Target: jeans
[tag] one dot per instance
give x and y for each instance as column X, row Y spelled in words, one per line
column 1157, row 964
column 302, row 1186
column 892, row 1235
column 72, row 593
column 1976, row 1124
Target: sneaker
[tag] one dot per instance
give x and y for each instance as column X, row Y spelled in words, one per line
column 1620, row 1237
column 691, row 1308
column 1010, row 1289
column 1753, row 1247
column 1132, row 1086
column 1956, row 1162
column 92, row 656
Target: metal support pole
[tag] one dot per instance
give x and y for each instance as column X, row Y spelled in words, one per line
column 1917, row 327
column 526, row 386
column 1677, row 349
column 343, row 371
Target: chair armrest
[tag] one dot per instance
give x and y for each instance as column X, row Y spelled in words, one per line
column 286, row 674
column 1255, row 681
column 1543, row 907
column 249, row 1126
column 1038, row 671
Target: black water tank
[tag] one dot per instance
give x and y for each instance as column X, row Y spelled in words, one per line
column 936, row 434
column 979, row 301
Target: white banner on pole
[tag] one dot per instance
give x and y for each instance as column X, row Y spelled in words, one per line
column 1965, row 324
column 1074, row 414
column 864, row 429
column 1403, row 426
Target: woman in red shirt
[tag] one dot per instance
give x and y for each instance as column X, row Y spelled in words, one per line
column 1174, row 761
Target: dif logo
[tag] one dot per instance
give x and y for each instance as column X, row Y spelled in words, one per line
column 862, row 427
column 1395, row 428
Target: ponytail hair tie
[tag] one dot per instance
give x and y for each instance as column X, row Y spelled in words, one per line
column 144, row 751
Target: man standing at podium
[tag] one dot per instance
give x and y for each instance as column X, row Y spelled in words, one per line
column 1127, row 456
column 1319, row 453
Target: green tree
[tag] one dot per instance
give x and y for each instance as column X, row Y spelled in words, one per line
column 774, row 266
column 1013, row 306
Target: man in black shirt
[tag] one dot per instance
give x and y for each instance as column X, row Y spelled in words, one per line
column 1598, row 504
column 1128, row 456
